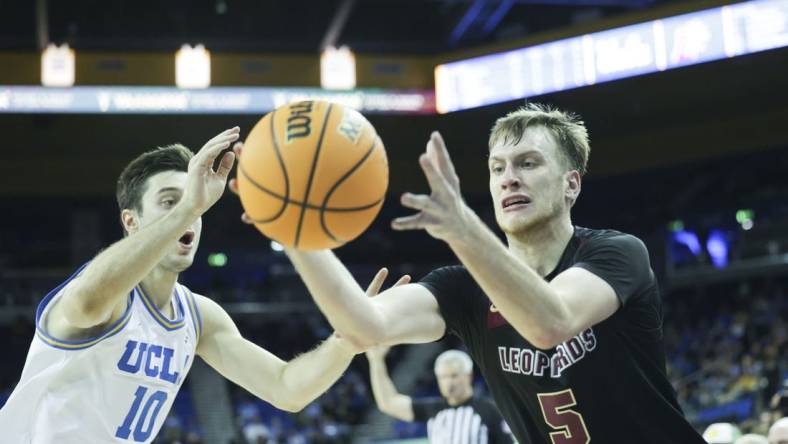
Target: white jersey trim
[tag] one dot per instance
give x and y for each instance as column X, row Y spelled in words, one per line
column 158, row 316
column 80, row 344
column 191, row 302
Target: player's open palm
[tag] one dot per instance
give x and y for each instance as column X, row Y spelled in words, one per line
column 204, row 184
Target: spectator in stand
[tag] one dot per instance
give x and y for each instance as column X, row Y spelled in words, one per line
column 751, row 438
column 255, row 432
column 778, row 433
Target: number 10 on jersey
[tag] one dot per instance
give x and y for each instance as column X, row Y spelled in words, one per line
column 146, row 418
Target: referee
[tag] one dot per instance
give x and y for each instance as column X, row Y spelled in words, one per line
column 458, row 417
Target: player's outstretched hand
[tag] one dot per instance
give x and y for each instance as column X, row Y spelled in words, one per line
column 380, row 351
column 443, row 212
column 204, row 185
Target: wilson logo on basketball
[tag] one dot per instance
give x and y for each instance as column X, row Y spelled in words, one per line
column 299, row 123
column 351, row 126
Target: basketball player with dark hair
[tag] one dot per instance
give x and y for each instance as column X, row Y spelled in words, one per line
column 564, row 322
column 114, row 342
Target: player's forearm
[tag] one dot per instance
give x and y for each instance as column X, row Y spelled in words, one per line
column 523, row 297
column 311, row 374
column 340, row 298
column 116, row 270
column 387, row 398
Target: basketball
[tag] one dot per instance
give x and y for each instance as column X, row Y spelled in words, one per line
column 313, row 175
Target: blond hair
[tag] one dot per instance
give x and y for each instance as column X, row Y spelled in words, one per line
column 568, row 129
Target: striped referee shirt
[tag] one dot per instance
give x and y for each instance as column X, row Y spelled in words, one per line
column 476, row 421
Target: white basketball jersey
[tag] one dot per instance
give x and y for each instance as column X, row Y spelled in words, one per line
column 115, row 388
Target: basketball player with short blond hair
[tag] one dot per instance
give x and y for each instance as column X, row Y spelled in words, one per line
column 564, row 322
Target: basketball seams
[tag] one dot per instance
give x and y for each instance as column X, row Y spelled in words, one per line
column 312, row 175
column 282, row 164
column 286, row 198
column 331, row 173
column 342, row 179
column 276, row 195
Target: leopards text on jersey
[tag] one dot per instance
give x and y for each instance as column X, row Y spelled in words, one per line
column 606, row 385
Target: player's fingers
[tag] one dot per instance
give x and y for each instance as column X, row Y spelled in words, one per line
column 419, row 202
column 207, row 156
column 377, row 282
column 225, row 140
column 226, row 165
column 437, row 182
column 402, row 281
column 441, row 155
column 211, row 150
column 233, row 186
column 226, row 133
column 237, row 148
column 412, row 222
column 222, row 139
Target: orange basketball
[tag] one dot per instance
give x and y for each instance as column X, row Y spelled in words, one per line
column 313, row 175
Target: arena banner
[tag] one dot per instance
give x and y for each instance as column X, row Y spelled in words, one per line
column 658, row 45
column 217, row 100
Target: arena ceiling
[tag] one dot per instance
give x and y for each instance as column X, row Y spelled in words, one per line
column 378, row 26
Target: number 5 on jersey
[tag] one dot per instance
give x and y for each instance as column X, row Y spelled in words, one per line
column 569, row 425
column 146, row 419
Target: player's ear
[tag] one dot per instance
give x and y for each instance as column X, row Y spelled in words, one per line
column 129, row 220
column 573, row 184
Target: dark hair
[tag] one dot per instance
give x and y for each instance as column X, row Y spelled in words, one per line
column 133, row 180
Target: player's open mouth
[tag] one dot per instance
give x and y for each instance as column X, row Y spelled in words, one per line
column 515, row 202
column 187, row 239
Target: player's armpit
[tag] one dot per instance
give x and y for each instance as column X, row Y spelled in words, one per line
column 588, row 299
column 410, row 315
